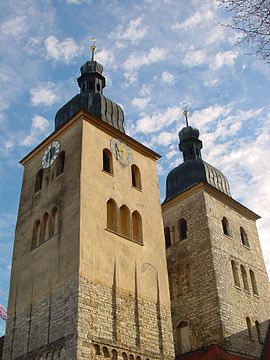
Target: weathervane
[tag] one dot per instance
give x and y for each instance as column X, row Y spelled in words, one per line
column 185, row 112
column 93, row 48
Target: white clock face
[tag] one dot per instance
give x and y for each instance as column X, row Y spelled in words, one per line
column 50, row 154
column 121, row 152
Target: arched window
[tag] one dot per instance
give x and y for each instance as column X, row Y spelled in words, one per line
column 167, row 235
column 53, row 224
column 60, row 163
column 38, row 184
column 36, row 234
column 258, row 330
column 44, row 228
column 253, row 282
column 136, row 177
column 97, row 349
column 182, row 228
column 182, row 338
column 171, row 285
column 244, row 238
column 124, row 221
column 225, row 226
column 107, row 161
column 137, row 227
column 244, row 277
column 111, row 215
column 249, row 328
column 235, row 274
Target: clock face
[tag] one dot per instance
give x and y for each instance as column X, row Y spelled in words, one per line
column 50, row 154
column 121, row 152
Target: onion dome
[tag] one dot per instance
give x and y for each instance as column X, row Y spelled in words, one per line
column 193, row 170
column 91, row 98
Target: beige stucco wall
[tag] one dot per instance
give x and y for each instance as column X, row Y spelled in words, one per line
column 100, row 249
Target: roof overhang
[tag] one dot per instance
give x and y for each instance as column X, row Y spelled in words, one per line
column 83, row 115
column 219, row 195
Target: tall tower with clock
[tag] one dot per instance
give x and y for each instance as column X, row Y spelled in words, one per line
column 89, row 277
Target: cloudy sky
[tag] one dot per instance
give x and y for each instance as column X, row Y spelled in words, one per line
column 157, row 54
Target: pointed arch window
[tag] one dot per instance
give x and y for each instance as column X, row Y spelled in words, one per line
column 136, row 177
column 107, row 161
column 253, row 283
column 60, row 163
column 39, row 178
column 44, row 228
column 225, row 226
column 249, row 328
column 36, row 234
column 244, row 237
column 182, row 338
column 167, row 235
column 182, row 228
column 235, row 274
column 124, row 221
column 137, row 227
column 53, row 223
column 244, row 278
column 112, row 215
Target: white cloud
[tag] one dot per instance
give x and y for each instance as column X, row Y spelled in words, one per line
column 141, row 103
column 44, row 94
column 40, row 127
column 224, row 58
column 145, row 90
column 74, row 2
column 195, row 57
column 134, row 32
column 167, row 77
column 15, row 27
column 106, row 58
column 153, row 123
column 207, row 115
column 135, row 61
column 64, row 51
column 199, row 17
column 164, row 138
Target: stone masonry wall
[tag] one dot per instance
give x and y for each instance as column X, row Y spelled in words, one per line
column 194, row 296
column 115, row 324
column 237, row 303
column 46, row 329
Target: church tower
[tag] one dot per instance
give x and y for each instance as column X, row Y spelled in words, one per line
column 89, row 275
column 218, row 282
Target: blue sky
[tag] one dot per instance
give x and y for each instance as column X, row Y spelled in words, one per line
column 157, row 54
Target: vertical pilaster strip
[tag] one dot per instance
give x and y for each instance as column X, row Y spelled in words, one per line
column 136, row 312
column 30, row 318
column 49, row 315
column 114, row 305
column 159, row 322
column 14, row 323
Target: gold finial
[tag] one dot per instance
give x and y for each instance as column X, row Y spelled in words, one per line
column 185, row 112
column 93, row 48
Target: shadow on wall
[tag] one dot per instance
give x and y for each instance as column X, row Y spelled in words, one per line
column 2, row 339
column 254, row 342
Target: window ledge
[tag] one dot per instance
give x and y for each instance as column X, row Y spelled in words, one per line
column 237, row 287
column 123, row 236
column 60, row 175
column 256, row 296
column 247, row 292
column 245, row 246
column 37, row 192
column 228, row 236
column 108, row 173
column 135, row 187
column 44, row 242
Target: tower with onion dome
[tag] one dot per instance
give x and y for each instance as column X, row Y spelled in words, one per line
column 219, row 287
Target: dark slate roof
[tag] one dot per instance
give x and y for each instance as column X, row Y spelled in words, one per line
column 96, row 104
column 91, row 99
column 192, row 172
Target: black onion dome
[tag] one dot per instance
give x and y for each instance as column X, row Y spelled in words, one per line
column 91, row 99
column 193, row 170
column 188, row 132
